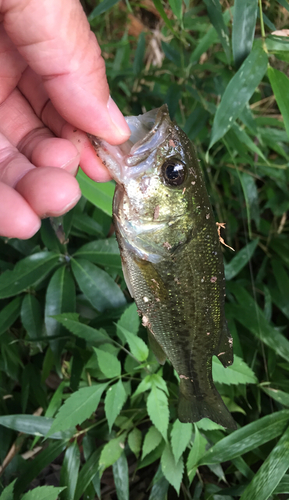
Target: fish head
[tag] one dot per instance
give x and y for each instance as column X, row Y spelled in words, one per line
column 156, row 169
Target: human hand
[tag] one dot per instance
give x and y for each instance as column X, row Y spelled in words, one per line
column 52, row 87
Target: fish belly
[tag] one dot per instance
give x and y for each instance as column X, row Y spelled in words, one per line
column 181, row 301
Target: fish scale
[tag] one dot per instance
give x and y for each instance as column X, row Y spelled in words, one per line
column 171, row 256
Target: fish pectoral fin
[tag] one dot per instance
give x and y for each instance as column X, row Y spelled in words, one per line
column 224, row 349
column 156, row 348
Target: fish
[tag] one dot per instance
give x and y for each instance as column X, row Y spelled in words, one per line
column 171, row 256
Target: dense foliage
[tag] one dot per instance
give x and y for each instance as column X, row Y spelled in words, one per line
column 75, row 366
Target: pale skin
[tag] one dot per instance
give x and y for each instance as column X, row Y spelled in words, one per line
column 53, row 89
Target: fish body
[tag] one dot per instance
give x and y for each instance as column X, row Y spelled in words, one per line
column 171, row 256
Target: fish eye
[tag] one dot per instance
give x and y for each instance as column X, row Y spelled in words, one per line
column 174, row 172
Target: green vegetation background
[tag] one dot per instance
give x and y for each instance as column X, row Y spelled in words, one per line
column 85, row 409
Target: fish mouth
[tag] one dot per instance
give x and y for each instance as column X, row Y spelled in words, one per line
column 137, row 154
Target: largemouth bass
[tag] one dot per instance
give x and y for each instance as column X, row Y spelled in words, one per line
column 171, row 256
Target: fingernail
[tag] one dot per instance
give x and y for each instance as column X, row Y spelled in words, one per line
column 117, row 118
column 72, row 165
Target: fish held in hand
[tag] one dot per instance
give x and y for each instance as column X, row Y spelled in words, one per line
column 171, row 256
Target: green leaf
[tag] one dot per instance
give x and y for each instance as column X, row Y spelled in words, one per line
column 108, row 363
column 27, row 272
column 248, row 438
column 216, row 17
column 237, row 373
column 151, row 441
column 88, row 474
column 31, row 316
column 157, row 407
column 270, row 472
column 197, row 451
column 251, row 198
column 83, row 331
column 114, row 401
column 172, row 470
column 176, row 6
column 134, row 441
column 280, row 85
column 137, row 346
column 111, row 452
column 43, row 493
column 144, row 385
column 138, row 63
column 130, row 319
column 180, row 437
column 252, row 317
column 159, row 6
column 102, row 252
column 204, row 44
column 60, row 297
column 31, row 424
column 77, row 408
column 98, row 287
column 279, row 396
column 102, row 7
column 9, row 314
column 205, row 424
column 69, row 471
column 100, row 194
column 121, row 478
column 33, row 468
column 238, row 92
column 284, row 3
column 245, row 14
column 7, row 493
column 240, row 260
column 159, row 489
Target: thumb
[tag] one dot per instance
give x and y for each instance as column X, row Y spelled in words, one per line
column 55, row 39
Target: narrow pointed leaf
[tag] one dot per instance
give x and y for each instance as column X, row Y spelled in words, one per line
column 280, row 85
column 197, row 451
column 98, row 287
column 32, row 424
column 245, row 14
column 172, row 470
column 34, row 467
column 81, row 330
column 77, row 408
column 237, row 373
column 248, row 438
column 27, row 272
column 137, row 346
column 271, row 471
column 69, row 471
column 180, row 437
column 134, row 441
column 114, row 401
column 43, row 493
column 238, row 92
column 151, row 441
column 100, row 194
column 60, row 297
column 111, row 452
column 9, row 314
column 121, row 479
column 240, row 260
column 7, row 493
column 108, row 363
column 157, row 406
column 31, row 316
column 88, row 474
column 102, row 252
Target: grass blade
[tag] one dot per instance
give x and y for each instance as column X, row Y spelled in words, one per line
column 245, row 14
